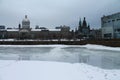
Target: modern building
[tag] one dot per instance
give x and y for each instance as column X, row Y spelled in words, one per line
column 111, row 26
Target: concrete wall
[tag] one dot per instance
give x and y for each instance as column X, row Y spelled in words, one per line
column 111, row 25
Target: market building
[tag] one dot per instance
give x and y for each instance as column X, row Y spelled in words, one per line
column 25, row 31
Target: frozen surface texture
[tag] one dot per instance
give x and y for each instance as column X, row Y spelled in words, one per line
column 45, row 70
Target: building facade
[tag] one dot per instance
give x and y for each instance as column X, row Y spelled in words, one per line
column 3, row 32
column 96, row 34
column 111, row 26
column 25, row 31
column 83, row 30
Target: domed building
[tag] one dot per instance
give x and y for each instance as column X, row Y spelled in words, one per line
column 24, row 32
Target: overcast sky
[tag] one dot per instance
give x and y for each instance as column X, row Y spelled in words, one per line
column 52, row 13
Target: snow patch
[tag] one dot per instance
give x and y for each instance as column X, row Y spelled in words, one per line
column 101, row 47
column 88, row 46
column 44, row 70
column 33, row 46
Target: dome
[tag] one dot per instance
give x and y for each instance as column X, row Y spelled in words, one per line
column 26, row 23
column 26, row 19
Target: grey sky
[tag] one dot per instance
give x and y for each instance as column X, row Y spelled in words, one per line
column 52, row 13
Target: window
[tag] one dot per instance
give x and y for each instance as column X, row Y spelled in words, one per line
column 113, row 20
column 108, row 35
column 118, row 30
column 118, row 19
column 104, row 22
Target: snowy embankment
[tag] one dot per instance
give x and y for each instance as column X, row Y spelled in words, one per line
column 43, row 70
column 88, row 46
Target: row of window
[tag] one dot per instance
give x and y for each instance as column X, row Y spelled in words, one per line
column 111, row 21
column 117, row 30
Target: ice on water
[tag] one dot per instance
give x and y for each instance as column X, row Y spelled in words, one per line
column 95, row 55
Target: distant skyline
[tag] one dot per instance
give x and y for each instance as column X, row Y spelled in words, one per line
column 52, row 13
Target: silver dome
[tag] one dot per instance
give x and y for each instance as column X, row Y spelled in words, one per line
column 26, row 19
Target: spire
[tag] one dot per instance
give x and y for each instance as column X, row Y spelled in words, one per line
column 19, row 26
column 84, row 18
column 79, row 24
column 89, row 26
column 76, row 30
column 84, row 23
column 26, row 16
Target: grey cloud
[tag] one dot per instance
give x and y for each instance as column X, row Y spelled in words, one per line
column 52, row 13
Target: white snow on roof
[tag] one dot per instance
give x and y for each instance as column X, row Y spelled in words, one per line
column 2, row 29
column 12, row 29
column 44, row 29
column 54, row 29
column 35, row 29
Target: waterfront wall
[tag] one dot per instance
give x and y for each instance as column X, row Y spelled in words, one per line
column 112, row 43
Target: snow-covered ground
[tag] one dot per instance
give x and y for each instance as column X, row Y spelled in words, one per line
column 39, row 40
column 88, row 46
column 44, row 70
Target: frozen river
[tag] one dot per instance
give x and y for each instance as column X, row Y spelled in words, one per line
column 100, row 56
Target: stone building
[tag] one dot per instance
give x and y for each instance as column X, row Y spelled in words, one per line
column 3, row 32
column 95, row 34
column 25, row 31
column 83, row 30
column 111, row 26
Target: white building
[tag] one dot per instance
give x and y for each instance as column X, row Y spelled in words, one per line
column 111, row 26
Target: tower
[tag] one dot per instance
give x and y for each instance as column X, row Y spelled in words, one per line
column 19, row 26
column 84, row 23
column 83, row 30
column 25, row 23
column 80, row 25
column 89, row 27
column 25, row 30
